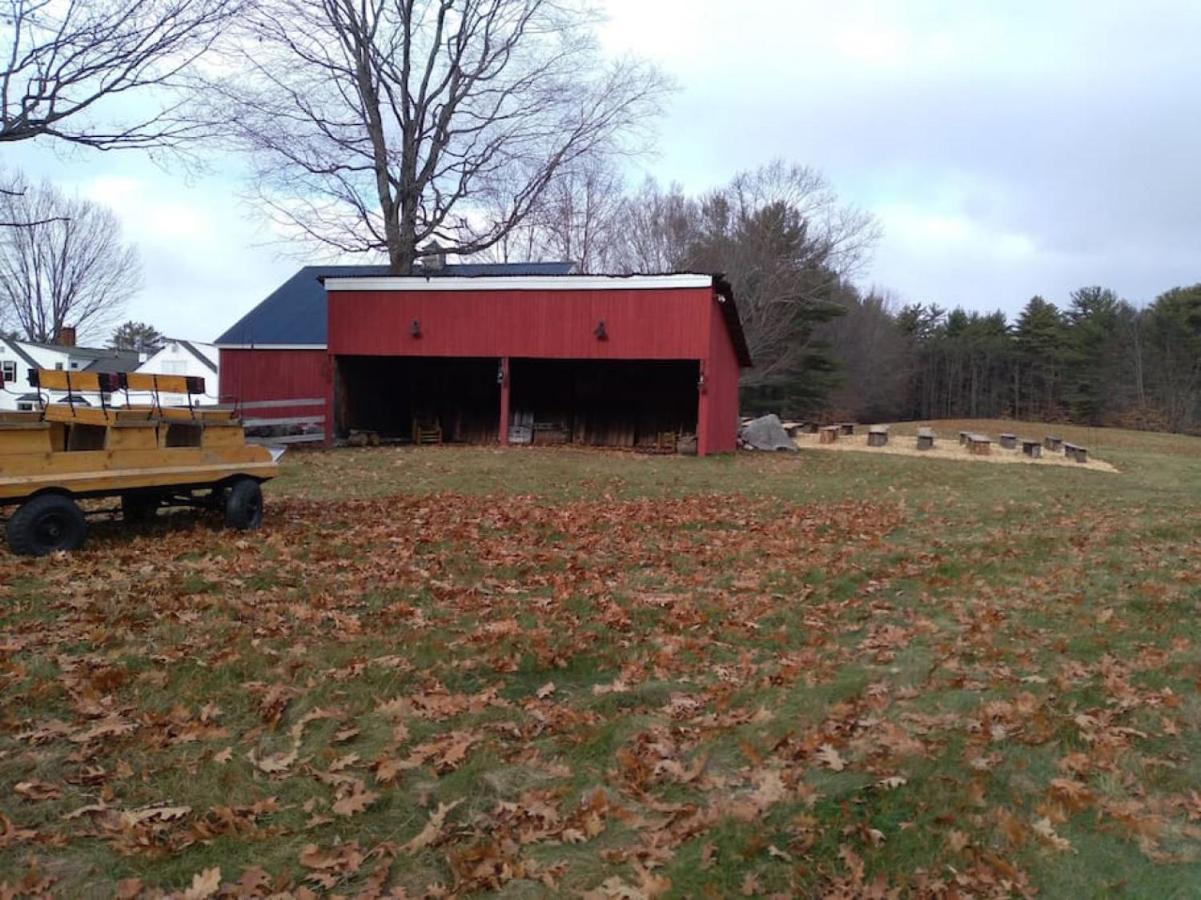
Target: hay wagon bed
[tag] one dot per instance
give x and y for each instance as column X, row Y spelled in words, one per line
column 149, row 456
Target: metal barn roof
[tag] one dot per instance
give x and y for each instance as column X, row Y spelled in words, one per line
column 294, row 315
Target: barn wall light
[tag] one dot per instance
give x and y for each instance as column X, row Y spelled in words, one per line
column 600, row 332
column 415, row 328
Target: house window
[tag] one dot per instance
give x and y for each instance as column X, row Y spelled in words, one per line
column 74, row 365
column 58, row 366
column 25, row 407
column 10, row 371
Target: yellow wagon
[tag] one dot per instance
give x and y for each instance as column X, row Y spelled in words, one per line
column 148, row 455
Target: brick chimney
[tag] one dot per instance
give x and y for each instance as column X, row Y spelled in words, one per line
column 433, row 257
column 66, row 336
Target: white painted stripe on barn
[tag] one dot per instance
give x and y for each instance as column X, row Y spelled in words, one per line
column 522, row 283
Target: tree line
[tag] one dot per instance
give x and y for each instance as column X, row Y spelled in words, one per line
column 1100, row 360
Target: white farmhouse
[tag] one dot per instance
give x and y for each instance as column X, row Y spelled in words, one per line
column 17, row 358
column 180, row 357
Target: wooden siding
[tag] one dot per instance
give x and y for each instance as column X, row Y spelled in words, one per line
column 721, row 386
column 664, row 324
column 639, row 324
column 251, row 375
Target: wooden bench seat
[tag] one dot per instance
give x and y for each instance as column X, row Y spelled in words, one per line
column 136, row 415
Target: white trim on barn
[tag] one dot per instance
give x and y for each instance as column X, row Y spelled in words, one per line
column 270, row 346
column 520, row 283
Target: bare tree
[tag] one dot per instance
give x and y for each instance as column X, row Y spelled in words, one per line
column 580, row 218
column 873, row 355
column 658, row 230
column 787, row 242
column 69, row 268
column 377, row 125
column 69, row 67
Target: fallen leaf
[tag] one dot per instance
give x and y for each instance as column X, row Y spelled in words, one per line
column 1046, row 833
column 354, row 803
column 432, row 830
column 204, row 884
column 830, row 758
column 36, row 790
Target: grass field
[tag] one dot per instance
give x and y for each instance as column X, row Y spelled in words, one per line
column 556, row 672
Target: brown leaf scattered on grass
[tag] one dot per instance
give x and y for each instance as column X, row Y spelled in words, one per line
column 829, row 757
column 36, row 790
column 205, row 884
column 128, row 888
column 354, row 803
column 432, row 832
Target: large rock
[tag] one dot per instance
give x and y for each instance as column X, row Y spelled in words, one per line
column 766, row 433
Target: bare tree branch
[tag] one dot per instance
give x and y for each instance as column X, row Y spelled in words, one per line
column 69, row 267
column 377, row 125
column 73, row 68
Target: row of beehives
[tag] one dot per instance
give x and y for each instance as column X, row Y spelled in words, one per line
column 975, row 443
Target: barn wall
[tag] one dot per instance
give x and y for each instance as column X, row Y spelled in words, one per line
column 721, row 380
column 641, row 324
column 249, row 375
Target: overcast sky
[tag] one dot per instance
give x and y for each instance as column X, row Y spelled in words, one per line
column 1008, row 148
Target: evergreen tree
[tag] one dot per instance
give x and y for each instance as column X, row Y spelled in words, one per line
column 1041, row 342
column 136, row 336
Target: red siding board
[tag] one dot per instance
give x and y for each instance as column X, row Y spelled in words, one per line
column 249, row 375
column 721, row 386
column 640, row 324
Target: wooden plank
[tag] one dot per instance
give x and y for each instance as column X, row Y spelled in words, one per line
column 285, row 439
column 164, row 384
column 88, row 471
column 282, row 404
column 315, row 419
column 68, row 380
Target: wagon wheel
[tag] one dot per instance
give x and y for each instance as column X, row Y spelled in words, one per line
column 244, row 505
column 46, row 524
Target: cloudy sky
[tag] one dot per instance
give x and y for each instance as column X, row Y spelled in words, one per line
column 1007, row 148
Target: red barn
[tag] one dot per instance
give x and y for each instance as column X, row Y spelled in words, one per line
column 494, row 355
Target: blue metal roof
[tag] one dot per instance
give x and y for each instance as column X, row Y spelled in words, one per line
column 294, row 313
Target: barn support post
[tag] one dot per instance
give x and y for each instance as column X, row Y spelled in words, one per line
column 702, row 411
column 332, row 383
column 502, row 375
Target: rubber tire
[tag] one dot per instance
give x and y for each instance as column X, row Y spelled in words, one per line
column 139, row 509
column 244, row 505
column 46, row 524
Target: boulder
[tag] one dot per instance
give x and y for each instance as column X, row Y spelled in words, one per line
column 766, row 433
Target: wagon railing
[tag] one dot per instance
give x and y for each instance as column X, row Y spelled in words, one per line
column 281, row 429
